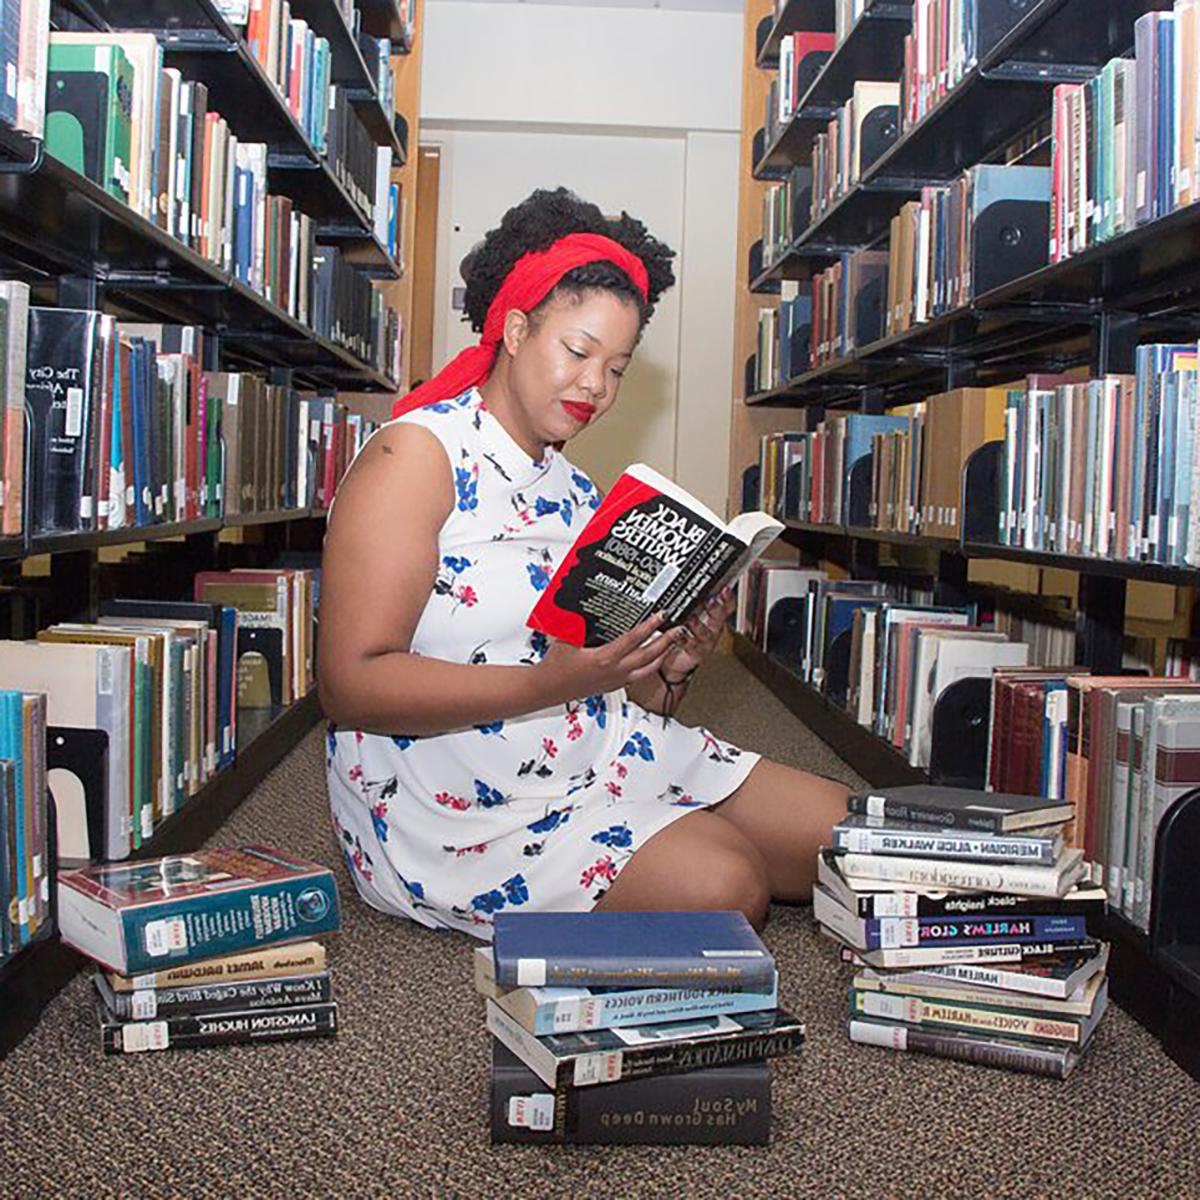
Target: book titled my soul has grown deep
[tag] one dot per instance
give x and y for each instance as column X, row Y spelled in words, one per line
column 650, row 547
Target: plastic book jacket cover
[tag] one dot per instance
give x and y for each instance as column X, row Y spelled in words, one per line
column 649, row 547
column 145, row 915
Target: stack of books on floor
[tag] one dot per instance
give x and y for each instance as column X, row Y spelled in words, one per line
column 968, row 921
column 639, row 1027
column 211, row 948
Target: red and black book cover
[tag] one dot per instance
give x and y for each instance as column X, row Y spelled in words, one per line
column 644, row 550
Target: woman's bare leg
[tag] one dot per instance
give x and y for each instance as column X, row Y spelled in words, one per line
column 700, row 862
column 786, row 815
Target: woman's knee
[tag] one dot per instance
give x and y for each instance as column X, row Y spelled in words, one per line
column 734, row 878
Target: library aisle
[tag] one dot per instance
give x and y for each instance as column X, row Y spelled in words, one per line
column 392, row 1105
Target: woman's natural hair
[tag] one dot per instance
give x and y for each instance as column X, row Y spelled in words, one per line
column 536, row 224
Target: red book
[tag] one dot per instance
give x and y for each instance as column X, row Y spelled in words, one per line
column 650, row 547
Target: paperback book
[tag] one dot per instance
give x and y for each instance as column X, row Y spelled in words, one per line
column 650, row 547
column 146, row 1004
column 873, row 835
column 959, row 808
column 235, row 1027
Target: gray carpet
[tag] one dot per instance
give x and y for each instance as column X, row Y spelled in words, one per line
column 397, row 1104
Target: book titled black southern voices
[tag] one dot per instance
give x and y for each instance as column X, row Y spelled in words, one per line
column 650, row 547
column 643, row 949
column 146, row 916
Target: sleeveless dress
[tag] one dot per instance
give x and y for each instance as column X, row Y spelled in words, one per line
column 541, row 811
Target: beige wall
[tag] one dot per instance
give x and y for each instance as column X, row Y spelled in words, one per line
column 634, row 109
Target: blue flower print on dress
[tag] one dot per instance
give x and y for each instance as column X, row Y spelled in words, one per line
column 416, row 890
column 639, row 745
column 379, row 820
column 539, row 577
column 331, row 740
column 596, row 707
column 488, row 797
column 567, row 512
column 516, row 891
column 543, row 507
column 582, row 482
column 618, row 836
column 488, row 902
column 551, row 821
column 490, row 728
column 539, row 647
column 442, row 406
column 456, row 564
column 403, row 742
column 466, row 484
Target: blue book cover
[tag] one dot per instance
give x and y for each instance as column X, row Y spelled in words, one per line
column 226, row 665
column 11, row 730
column 393, row 217
column 860, row 429
column 140, row 917
column 1164, row 193
column 646, row 949
column 243, row 224
column 136, row 467
column 8, row 931
column 886, row 933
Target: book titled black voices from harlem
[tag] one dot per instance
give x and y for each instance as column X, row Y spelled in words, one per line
column 650, row 547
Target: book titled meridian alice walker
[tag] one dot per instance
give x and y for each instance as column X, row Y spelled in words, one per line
column 145, row 916
column 637, row 949
column 960, row 808
column 881, row 835
column 650, row 547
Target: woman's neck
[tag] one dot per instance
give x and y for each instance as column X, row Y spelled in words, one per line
column 503, row 405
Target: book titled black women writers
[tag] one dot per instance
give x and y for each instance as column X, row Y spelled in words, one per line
column 650, row 547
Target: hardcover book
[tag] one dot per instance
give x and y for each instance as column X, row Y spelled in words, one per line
column 569, row 1009
column 603, row 1056
column 239, row 1026
column 959, row 808
column 635, row 949
column 728, row 1106
column 650, row 547
column 157, row 913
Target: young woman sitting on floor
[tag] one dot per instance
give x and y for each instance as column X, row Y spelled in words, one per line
column 474, row 766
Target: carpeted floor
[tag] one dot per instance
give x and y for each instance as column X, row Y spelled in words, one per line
column 397, row 1104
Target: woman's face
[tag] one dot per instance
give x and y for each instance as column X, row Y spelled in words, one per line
column 567, row 365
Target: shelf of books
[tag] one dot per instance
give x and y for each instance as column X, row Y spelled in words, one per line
column 198, row 215
column 967, row 338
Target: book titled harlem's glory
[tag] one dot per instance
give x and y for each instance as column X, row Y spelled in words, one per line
column 650, row 547
column 145, row 916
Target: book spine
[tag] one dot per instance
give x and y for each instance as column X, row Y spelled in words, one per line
column 228, row 923
column 913, row 1010
column 893, row 810
column 147, row 1004
column 1036, row 1060
column 1038, row 851
column 747, row 975
column 298, row 959
column 220, row 1029
column 672, row 1058
column 729, row 1106
column 912, row 957
column 891, row 932
column 643, row 1006
column 882, row 905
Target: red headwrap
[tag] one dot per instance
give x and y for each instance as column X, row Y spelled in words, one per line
column 532, row 278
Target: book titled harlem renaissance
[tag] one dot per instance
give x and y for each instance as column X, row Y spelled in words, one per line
column 650, row 547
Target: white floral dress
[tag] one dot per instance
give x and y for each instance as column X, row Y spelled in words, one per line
column 540, row 811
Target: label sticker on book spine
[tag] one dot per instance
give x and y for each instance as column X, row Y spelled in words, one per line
column 144, row 1035
column 598, row 1068
column 531, row 972
column 74, row 421
column 531, row 1112
column 876, row 806
column 661, row 582
column 732, row 953
column 143, row 1005
column 898, row 931
column 890, row 1037
column 568, row 1016
column 166, row 935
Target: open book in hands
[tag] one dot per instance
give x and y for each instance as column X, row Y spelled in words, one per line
column 649, row 547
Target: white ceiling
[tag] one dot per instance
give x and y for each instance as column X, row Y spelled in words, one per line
column 674, row 5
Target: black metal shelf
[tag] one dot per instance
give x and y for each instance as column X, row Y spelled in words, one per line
column 864, row 213
column 30, row 979
column 793, row 142
column 867, row 753
column 873, row 49
column 381, row 18
column 799, row 263
column 379, row 122
column 327, row 21
column 12, row 548
column 816, row 16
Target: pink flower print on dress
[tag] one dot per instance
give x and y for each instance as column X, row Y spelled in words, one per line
column 613, row 788
column 458, row 803
column 603, row 868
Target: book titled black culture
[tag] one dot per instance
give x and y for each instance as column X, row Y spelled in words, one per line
column 650, row 547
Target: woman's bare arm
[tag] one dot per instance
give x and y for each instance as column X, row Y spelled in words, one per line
column 378, row 572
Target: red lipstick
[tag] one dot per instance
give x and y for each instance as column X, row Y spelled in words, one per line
column 582, row 413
